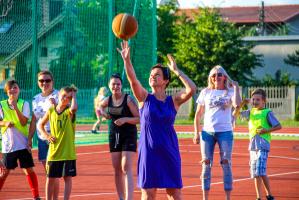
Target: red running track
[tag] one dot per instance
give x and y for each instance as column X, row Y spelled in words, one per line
column 95, row 174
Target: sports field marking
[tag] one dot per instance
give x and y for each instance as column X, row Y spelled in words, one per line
column 99, row 152
column 243, row 179
column 77, row 195
column 186, row 187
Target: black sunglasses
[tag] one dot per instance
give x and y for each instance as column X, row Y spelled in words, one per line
column 217, row 74
column 44, row 80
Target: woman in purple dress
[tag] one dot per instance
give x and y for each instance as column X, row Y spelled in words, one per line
column 159, row 161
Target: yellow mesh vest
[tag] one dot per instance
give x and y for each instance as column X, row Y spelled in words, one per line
column 11, row 116
column 257, row 120
column 63, row 129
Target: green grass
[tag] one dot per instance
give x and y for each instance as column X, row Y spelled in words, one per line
column 284, row 123
column 86, row 138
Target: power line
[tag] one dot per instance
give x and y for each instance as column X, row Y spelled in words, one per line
column 293, row 28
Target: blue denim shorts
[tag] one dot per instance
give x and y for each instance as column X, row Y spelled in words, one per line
column 43, row 147
column 258, row 163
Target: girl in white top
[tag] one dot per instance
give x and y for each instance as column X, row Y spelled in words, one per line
column 215, row 102
column 40, row 105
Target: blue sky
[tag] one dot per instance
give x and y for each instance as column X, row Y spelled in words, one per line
column 226, row 3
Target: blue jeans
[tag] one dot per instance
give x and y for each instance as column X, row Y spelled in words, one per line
column 208, row 141
column 43, row 147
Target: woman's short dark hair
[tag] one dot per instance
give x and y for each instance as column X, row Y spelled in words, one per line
column 116, row 75
column 165, row 71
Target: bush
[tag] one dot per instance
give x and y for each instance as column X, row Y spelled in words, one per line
column 297, row 110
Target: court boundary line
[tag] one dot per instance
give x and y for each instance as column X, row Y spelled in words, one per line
column 186, row 187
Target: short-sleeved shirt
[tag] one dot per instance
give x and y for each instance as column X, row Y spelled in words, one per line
column 12, row 138
column 257, row 142
column 40, row 105
column 218, row 109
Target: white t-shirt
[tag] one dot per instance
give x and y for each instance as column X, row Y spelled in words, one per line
column 12, row 138
column 218, row 109
column 40, row 105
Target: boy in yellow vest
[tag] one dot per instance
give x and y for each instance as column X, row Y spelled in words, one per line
column 14, row 115
column 262, row 122
column 61, row 159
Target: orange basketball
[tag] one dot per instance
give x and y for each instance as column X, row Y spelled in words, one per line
column 124, row 26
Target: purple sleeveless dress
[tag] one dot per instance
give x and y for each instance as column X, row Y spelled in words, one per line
column 159, row 161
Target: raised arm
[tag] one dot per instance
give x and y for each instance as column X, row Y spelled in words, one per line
column 236, row 112
column 236, row 100
column 139, row 92
column 22, row 118
column 190, row 88
column 74, row 105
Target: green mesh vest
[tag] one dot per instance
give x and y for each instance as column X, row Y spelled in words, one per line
column 258, row 120
column 11, row 115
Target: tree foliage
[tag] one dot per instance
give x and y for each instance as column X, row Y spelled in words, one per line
column 166, row 23
column 82, row 40
column 280, row 79
column 293, row 59
column 207, row 41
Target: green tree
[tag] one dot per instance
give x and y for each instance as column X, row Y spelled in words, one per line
column 166, row 23
column 293, row 59
column 207, row 41
column 280, row 79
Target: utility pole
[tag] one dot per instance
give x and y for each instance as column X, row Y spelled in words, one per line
column 262, row 29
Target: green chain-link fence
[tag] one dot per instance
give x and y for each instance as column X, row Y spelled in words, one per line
column 74, row 40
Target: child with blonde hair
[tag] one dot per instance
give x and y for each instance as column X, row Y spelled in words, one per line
column 61, row 159
column 101, row 95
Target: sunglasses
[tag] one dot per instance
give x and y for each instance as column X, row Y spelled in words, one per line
column 44, row 80
column 218, row 75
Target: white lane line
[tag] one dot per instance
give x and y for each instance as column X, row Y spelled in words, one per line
column 186, row 187
column 242, row 179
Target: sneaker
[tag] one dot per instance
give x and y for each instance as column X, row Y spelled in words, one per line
column 93, row 131
column 270, row 197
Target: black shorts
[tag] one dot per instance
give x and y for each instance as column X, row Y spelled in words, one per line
column 123, row 141
column 10, row 160
column 58, row 169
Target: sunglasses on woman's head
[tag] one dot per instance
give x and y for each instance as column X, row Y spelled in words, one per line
column 44, row 80
column 217, row 74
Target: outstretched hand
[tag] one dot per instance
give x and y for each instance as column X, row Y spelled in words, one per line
column 172, row 64
column 125, row 50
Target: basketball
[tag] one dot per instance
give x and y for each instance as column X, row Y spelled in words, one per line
column 124, row 26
